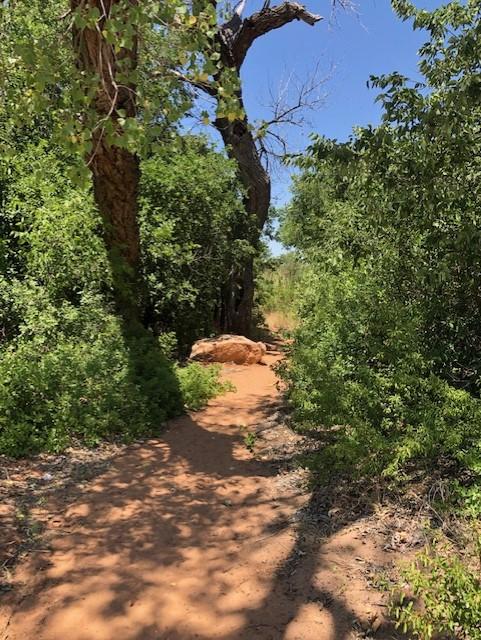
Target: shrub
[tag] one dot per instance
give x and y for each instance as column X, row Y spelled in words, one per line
column 67, row 369
column 357, row 364
column 389, row 343
column 444, row 598
column 199, row 383
column 191, row 213
column 71, row 374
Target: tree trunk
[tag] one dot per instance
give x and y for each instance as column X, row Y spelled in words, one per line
column 116, row 181
column 115, row 170
column 238, row 295
column 234, row 39
column 238, row 301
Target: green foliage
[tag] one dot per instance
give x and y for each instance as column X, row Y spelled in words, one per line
column 276, row 287
column 49, row 227
column 445, row 596
column 68, row 371
column 387, row 357
column 250, row 440
column 200, row 383
column 39, row 70
column 191, row 209
column 72, row 375
column 388, row 353
column 358, row 362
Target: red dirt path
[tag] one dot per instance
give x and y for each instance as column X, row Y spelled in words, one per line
column 188, row 536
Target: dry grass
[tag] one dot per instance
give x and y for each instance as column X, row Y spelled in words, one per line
column 279, row 321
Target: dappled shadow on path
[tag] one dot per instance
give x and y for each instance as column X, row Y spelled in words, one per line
column 186, row 537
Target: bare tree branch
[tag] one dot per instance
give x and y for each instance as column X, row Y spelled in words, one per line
column 268, row 19
column 294, row 99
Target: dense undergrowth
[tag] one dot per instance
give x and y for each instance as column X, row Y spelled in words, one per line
column 387, row 355
column 69, row 370
column 388, row 227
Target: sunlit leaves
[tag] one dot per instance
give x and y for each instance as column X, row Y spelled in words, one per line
column 39, row 73
column 389, row 226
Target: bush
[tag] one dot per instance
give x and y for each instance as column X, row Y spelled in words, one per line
column 444, row 595
column 72, row 375
column 388, row 349
column 357, row 365
column 191, row 211
column 199, row 383
column 49, row 227
column 68, row 371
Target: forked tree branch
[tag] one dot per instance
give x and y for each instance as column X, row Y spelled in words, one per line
column 260, row 23
column 288, row 108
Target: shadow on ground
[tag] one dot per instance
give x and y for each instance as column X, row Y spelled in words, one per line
column 186, row 537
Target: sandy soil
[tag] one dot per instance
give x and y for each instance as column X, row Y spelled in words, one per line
column 192, row 536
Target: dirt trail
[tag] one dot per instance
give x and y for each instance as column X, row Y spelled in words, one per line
column 189, row 536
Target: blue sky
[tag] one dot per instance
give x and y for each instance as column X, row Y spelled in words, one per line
column 374, row 41
column 348, row 49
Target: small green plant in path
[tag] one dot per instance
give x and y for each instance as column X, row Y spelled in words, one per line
column 250, row 440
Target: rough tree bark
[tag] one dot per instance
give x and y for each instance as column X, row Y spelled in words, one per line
column 115, row 170
column 238, row 294
column 234, row 41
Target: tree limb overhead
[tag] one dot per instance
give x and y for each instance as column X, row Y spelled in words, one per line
column 207, row 87
column 260, row 23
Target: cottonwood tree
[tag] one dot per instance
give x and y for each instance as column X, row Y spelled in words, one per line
column 247, row 147
column 105, row 39
column 90, row 64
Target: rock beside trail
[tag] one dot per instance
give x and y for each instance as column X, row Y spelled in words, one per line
column 228, row 348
